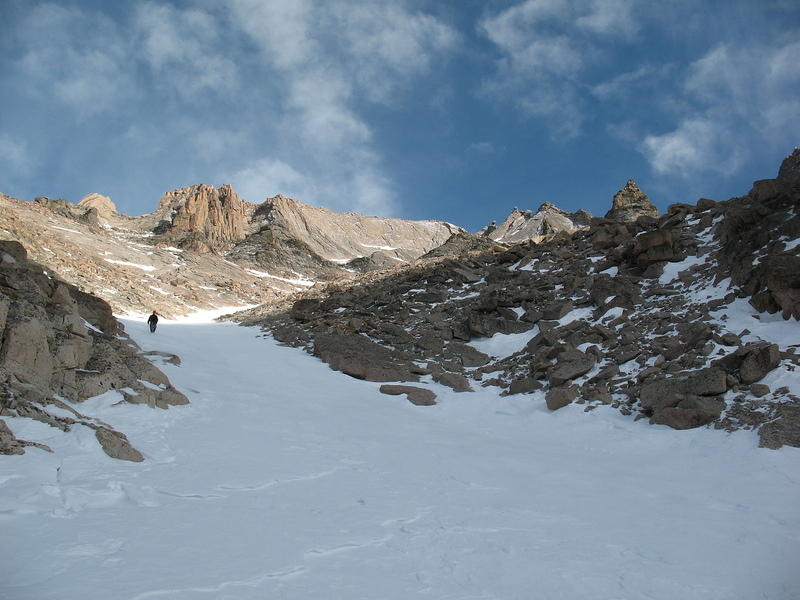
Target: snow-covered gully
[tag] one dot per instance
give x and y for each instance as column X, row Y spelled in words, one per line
column 283, row 479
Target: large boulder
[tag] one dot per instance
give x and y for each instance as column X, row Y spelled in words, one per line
column 685, row 402
column 358, row 356
column 416, row 395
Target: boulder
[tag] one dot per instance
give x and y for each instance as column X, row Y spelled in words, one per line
column 556, row 310
column 571, row 365
column 116, row 445
column 466, row 354
column 356, row 355
column 524, row 385
column 457, row 382
column 758, row 362
column 685, row 402
column 559, row 397
column 416, row 395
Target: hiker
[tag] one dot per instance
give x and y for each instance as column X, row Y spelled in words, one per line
column 153, row 321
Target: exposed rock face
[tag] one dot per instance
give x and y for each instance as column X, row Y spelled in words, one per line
column 172, row 259
column 630, row 203
column 102, row 204
column 521, row 226
column 202, row 218
column 58, row 343
column 341, row 238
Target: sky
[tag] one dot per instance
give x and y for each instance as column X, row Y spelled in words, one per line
column 457, row 111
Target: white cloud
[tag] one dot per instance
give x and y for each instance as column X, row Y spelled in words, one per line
column 483, row 148
column 546, row 47
column 283, row 30
column 362, row 189
column 610, row 18
column 80, row 57
column 739, row 98
column 14, row 155
column 695, row 145
column 385, row 46
column 328, row 59
column 267, row 177
column 619, row 87
column 184, row 48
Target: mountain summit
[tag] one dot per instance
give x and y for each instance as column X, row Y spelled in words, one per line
column 630, row 203
column 524, row 225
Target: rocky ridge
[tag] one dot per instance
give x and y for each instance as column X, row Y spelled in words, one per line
column 524, row 225
column 58, row 346
column 627, row 313
column 205, row 247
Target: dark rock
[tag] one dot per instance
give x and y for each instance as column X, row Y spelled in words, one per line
column 356, row 355
column 758, row 362
column 416, row 395
column 571, row 365
column 731, row 339
column 466, row 354
column 682, row 418
column 457, row 382
column 556, row 310
column 783, row 428
column 704, row 204
column 524, row 386
column 559, row 397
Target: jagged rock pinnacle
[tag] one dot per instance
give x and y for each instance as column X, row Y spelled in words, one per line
column 630, row 203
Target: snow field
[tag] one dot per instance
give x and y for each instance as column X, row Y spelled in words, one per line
column 283, row 479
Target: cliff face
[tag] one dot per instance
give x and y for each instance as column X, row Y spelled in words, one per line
column 58, row 343
column 343, row 237
column 203, row 218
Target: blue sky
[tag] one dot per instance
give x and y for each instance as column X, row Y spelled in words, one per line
column 448, row 110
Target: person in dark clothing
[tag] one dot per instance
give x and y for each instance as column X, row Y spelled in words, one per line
column 153, row 321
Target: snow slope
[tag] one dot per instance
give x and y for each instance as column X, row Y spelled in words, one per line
column 283, row 479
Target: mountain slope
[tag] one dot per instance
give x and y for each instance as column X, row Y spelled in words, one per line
column 205, row 247
column 523, row 225
column 648, row 316
column 283, row 479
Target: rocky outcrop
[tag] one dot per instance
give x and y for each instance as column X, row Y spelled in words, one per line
column 59, row 344
column 523, row 225
column 758, row 234
column 104, row 206
column 202, row 218
column 607, row 324
column 630, row 203
column 416, row 395
column 351, row 239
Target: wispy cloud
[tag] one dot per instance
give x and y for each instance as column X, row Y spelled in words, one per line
column 545, row 47
column 331, row 58
column 79, row 57
column 737, row 98
column 184, row 48
column 14, row 155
